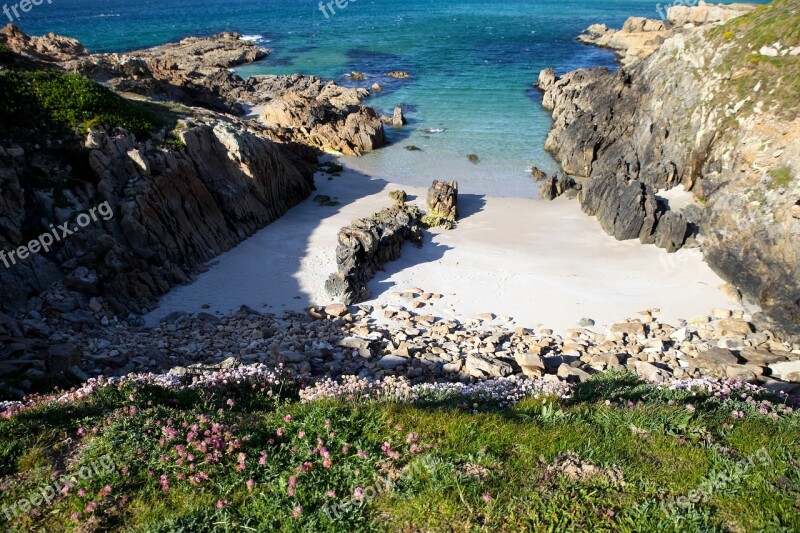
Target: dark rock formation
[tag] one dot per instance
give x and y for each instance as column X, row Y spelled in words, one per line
column 365, row 247
column 172, row 210
column 671, row 231
column 625, row 209
column 678, row 117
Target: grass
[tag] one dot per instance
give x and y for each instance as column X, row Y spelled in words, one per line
column 781, row 177
column 69, row 102
column 54, row 103
column 252, row 457
column 738, row 42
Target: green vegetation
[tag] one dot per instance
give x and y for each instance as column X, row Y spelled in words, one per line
column 781, row 177
column 617, row 455
column 437, row 219
column 68, row 101
column 738, row 43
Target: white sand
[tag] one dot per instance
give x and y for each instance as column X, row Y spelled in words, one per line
column 677, row 198
column 538, row 262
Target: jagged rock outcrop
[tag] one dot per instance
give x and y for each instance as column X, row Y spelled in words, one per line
column 365, row 246
column 701, row 111
column 172, row 210
column 640, row 37
column 349, row 130
column 195, row 72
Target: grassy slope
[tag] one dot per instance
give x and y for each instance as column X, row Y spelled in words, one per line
column 53, row 102
column 663, row 449
column 737, row 45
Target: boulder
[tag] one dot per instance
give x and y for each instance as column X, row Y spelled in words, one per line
column 671, row 231
column 480, row 366
column 531, row 364
column 442, row 203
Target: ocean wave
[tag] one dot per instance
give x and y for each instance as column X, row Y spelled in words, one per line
column 254, row 38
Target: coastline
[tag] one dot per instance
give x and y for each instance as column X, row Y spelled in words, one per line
column 539, row 263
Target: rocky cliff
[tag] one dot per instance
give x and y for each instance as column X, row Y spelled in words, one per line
column 712, row 108
column 180, row 195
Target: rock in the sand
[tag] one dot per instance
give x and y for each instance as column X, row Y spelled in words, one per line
column 671, row 231
column 586, row 322
column 626, row 209
column 554, row 186
column 442, row 204
column 365, row 246
column 480, row 366
column 336, row 310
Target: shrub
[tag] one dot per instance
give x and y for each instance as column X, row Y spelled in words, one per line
column 69, row 101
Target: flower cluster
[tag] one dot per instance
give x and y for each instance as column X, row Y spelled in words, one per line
column 503, row 392
column 353, row 388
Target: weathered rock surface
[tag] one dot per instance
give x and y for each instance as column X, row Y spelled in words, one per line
column 674, row 118
column 442, row 201
column 195, row 72
column 365, row 247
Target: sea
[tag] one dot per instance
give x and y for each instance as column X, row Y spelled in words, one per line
column 473, row 65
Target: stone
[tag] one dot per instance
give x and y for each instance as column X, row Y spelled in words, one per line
column 531, row 364
column 650, row 372
column 571, row 373
column 442, row 202
column 671, row 231
column 391, row 361
column 336, row 310
column 480, row 366
column 716, row 357
column 786, row 371
column 748, row 373
column 731, row 327
column 586, row 322
column 631, row 329
column 763, row 357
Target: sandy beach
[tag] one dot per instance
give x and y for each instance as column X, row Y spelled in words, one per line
column 531, row 263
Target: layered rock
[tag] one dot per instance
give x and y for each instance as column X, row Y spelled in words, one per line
column 172, row 210
column 366, row 246
column 697, row 112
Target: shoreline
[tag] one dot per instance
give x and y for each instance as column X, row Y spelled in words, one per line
column 502, row 248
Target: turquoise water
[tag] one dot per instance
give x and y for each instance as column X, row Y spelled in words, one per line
column 472, row 65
